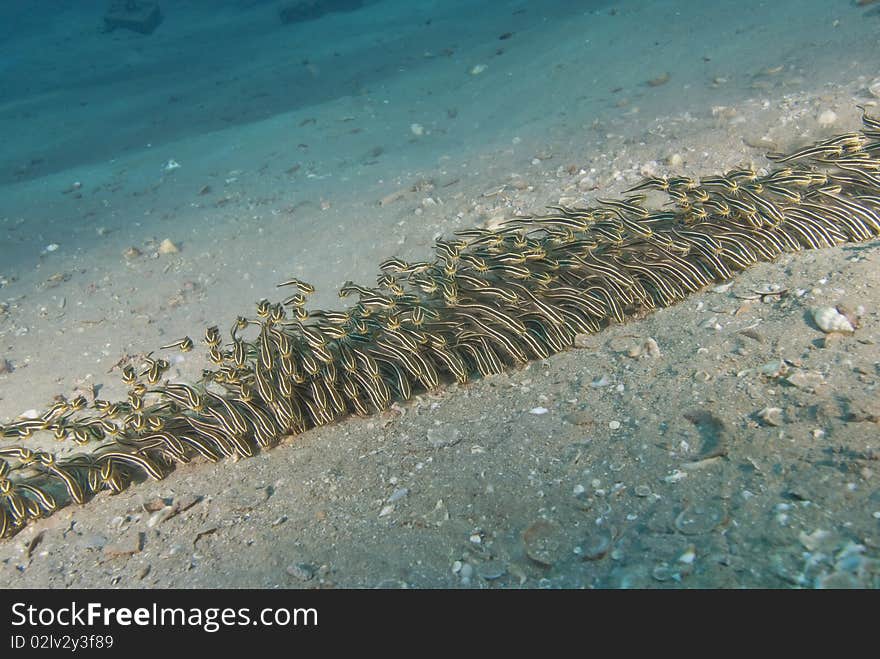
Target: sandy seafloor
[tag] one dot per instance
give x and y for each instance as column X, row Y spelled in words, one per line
column 319, row 149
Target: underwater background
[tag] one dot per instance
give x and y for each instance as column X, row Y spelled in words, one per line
column 166, row 164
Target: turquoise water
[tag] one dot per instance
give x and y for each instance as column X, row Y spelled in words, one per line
column 72, row 94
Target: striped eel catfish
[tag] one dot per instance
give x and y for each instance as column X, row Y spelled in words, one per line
column 489, row 300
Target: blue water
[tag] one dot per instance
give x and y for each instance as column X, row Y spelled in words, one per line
column 214, row 65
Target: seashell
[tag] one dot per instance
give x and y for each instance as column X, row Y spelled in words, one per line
column 829, row 319
column 168, row 247
column 596, row 545
column 543, row 542
column 774, row 369
column 701, row 518
column 665, row 573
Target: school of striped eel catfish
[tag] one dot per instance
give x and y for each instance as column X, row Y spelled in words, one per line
column 490, row 299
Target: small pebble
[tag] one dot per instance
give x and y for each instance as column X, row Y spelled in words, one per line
column 815, row 540
column 771, row 416
column 827, row 118
column 491, row 570
column 662, row 79
column 614, row 425
column 168, row 247
column 443, row 436
column 301, row 571
column 587, row 184
column 398, row 494
column 775, row 368
column 93, row 541
column 807, row 380
column 157, row 503
column 538, row 410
